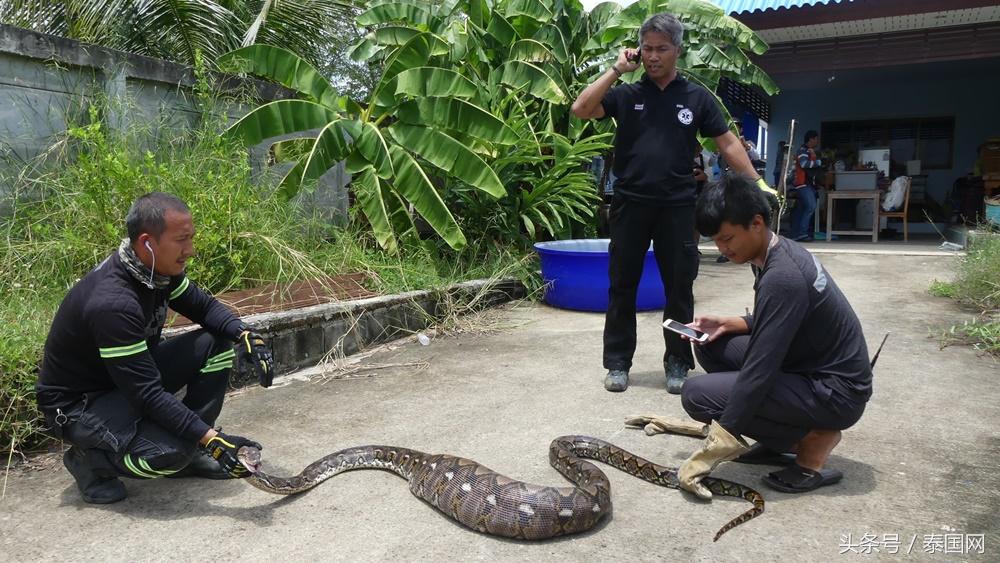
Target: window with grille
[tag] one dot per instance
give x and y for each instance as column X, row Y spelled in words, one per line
column 931, row 140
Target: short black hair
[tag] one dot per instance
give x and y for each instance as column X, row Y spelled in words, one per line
column 810, row 134
column 735, row 198
column 666, row 24
column 148, row 214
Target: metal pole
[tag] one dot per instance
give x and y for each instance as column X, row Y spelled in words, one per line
column 783, row 178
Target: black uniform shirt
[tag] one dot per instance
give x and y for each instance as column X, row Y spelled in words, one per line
column 802, row 324
column 102, row 337
column 656, row 140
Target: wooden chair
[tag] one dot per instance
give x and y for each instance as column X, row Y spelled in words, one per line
column 900, row 213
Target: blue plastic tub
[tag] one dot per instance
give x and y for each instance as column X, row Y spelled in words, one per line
column 576, row 276
column 992, row 210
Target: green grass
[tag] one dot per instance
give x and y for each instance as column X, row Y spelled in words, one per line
column 68, row 215
column 977, row 285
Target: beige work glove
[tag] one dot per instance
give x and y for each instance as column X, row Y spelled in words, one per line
column 653, row 424
column 719, row 446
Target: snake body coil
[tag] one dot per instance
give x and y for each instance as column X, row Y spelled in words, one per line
column 484, row 500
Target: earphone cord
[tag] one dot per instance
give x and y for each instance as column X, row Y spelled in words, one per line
column 153, row 268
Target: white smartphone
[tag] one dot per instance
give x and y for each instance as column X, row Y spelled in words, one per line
column 681, row 328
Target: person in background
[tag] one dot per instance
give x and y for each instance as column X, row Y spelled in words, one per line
column 658, row 121
column 808, row 167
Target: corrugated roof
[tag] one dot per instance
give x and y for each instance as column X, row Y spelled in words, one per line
column 747, row 6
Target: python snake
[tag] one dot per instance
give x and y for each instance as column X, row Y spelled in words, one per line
column 484, row 500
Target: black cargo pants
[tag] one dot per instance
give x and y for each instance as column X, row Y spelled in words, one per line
column 118, row 441
column 671, row 230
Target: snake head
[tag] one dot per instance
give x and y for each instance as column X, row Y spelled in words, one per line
column 250, row 458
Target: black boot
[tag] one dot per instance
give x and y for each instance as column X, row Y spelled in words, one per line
column 202, row 465
column 96, row 489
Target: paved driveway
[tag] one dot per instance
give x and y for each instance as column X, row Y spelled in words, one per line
column 921, row 467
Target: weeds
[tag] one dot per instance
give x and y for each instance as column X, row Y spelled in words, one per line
column 977, row 285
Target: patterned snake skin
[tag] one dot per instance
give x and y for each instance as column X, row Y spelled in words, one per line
column 486, row 501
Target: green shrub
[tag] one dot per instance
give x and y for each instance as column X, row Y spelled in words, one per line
column 978, row 280
column 977, row 285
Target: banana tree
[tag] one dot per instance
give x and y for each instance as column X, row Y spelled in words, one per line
column 418, row 118
column 534, row 47
column 523, row 57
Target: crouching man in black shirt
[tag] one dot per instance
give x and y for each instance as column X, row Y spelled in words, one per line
column 792, row 375
column 107, row 383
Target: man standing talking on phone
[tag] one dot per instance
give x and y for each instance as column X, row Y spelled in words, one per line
column 658, row 119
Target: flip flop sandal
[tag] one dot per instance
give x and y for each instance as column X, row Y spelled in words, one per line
column 798, row 479
column 759, row 454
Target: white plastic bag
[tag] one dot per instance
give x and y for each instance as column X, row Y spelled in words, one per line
column 896, row 194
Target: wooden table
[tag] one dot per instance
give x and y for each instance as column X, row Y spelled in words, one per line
column 860, row 195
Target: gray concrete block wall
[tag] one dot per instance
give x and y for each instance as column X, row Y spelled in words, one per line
column 48, row 83
column 304, row 337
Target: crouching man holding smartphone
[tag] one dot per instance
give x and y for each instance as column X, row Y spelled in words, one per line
column 792, row 375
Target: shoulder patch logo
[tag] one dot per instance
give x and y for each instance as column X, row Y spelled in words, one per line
column 638, row 107
column 685, row 116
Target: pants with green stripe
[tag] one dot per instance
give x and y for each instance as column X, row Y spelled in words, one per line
column 118, row 441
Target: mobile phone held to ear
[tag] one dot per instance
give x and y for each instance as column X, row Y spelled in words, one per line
column 680, row 328
column 634, row 57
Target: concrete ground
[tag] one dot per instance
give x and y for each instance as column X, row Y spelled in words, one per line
column 920, row 467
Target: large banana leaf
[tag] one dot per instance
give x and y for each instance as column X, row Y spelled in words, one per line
column 371, row 145
column 530, row 8
column 284, row 67
column 291, row 183
column 456, row 115
column 394, row 35
column 332, row 145
column 530, row 50
column 280, row 118
column 533, row 80
column 414, row 12
column 433, row 82
column 501, row 30
column 414, row 53
column 448, row 154
column 368, row 192
column 412, row 183
column 553, row 37
column 367, row 48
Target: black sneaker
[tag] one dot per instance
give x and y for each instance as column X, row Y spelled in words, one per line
column 202, row 465
column 95, row 489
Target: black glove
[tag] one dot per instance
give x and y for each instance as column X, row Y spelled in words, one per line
column 254, row 350
column 223, row 448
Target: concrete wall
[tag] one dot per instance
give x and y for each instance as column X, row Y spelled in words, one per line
column 48, row 81
column 968, row 92
column 304, row 337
